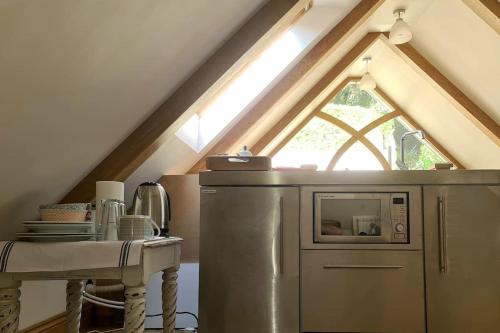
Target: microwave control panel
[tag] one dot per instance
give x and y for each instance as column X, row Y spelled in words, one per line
column 399, row 217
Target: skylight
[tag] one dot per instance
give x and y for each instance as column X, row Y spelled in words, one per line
column 204, row 125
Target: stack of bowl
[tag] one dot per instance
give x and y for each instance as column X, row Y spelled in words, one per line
column 61, row 222
column 73, row 212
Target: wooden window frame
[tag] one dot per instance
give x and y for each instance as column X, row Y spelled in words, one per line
column 359, row 135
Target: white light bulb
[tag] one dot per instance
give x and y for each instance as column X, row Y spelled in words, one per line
column 400, row 32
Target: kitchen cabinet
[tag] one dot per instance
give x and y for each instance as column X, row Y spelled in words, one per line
column 462, row 258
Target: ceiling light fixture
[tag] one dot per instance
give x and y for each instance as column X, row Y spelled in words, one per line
column 400, row 32
column 367, row 81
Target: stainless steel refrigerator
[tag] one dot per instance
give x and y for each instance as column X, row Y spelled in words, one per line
column 249, row 260
column 462, row 258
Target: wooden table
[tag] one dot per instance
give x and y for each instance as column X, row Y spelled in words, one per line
column 155, row 258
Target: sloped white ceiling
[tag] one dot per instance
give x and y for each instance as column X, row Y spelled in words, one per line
column 464, row 47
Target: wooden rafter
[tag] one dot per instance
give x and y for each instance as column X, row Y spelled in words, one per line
column 151, row 134
column 487, row 10
column 463, row 103
column 325, row 46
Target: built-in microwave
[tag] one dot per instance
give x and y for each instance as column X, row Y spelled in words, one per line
column 361, row 217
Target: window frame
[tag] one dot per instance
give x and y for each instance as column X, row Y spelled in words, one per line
column 359, row 135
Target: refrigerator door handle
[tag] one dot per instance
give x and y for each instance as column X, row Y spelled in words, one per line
column 282, row 241
column 443, row 265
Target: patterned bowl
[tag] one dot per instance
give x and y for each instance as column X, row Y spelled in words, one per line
column 63, row 215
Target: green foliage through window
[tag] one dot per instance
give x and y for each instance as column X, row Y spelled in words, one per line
column 319, row 140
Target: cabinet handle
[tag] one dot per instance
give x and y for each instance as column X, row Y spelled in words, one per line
column 362, row 266
column 443, row 265
column 282, row 241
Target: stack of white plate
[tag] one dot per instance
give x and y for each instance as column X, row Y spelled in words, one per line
column 55, row 231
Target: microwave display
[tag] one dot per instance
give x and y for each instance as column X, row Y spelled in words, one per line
column 360, row 217
column 398, row 201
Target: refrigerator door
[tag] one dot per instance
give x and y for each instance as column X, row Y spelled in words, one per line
column 249, row 260
column 462, row 258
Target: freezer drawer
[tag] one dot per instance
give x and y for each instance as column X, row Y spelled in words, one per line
column 362, row 291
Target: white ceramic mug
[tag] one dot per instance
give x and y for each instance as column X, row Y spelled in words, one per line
column 133, row 227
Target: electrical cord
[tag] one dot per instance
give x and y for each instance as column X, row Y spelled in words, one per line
column 120, row 305
column 193, row 329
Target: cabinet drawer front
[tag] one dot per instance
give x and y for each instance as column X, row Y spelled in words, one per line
column 362, row 291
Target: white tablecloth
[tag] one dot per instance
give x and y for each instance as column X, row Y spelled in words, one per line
column 22, row 257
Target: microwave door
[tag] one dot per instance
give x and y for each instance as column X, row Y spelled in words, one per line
column 351, row 218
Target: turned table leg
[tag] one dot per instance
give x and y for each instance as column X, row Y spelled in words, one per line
column 169, row 290
column 74, row 297
column 135, row 309
column 9, row 307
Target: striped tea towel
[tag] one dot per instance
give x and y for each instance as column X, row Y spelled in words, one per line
column 22, row 257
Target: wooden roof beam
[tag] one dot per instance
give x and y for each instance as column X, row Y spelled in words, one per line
column 463, row 103
column 487, row 10
column 294, row 76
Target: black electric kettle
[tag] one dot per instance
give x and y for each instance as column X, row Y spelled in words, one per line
column 151, row 199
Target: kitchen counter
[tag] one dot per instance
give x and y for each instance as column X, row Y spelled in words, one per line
column 397, row 177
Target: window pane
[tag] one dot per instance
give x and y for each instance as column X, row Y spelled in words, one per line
column 358, row 157
column 355, row 107
column 418, row 154
column 237, row 95
column 316, row 143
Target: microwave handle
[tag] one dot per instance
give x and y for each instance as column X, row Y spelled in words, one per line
column 443, row 265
